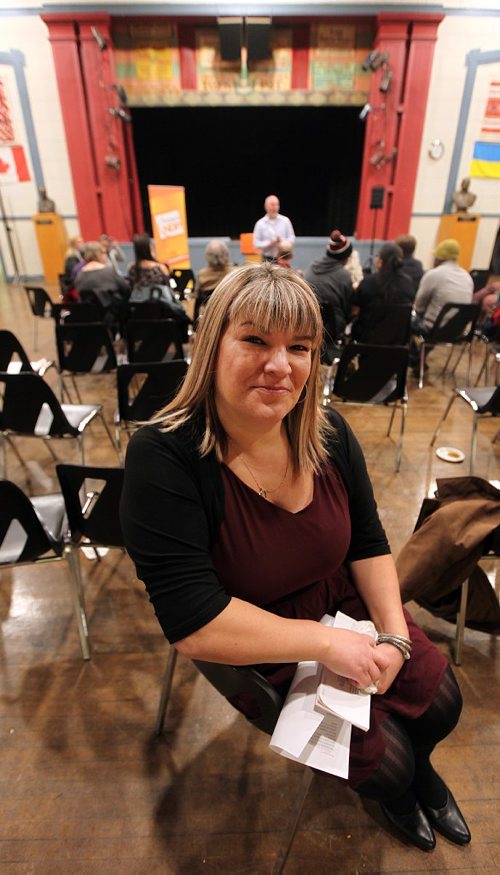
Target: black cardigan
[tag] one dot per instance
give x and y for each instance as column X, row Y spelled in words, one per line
column 172, row 507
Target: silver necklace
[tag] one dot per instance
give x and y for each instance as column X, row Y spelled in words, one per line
column 261, row 491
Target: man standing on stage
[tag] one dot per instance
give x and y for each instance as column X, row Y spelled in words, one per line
column 272, row 230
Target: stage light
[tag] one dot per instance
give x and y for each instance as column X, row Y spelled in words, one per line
column 381, row 58
column 367, row 63
column 101, row 42
column 120, row 113
column 385, row 82
column 364, row 112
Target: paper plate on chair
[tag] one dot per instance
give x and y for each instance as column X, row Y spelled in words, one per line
column 450, row 454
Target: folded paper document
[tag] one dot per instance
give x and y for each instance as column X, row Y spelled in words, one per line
column 314, row 726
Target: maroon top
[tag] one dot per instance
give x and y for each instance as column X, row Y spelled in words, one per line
column 293, row 565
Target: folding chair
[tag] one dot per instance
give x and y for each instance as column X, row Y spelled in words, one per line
column 184, row 280
column 30, row 409
column 484, row 401
column 374, row 374
column 13, row 358
column 83, row 349
column 77, row 311
column 454, row 327
column 41, row 306
column 233, row 681
column 153, row 341
column 389, row 325
column 32, row 531
column 142, row 390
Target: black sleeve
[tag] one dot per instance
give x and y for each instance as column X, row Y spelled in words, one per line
column 364, row 293
column 368, row 537
column 166, row 533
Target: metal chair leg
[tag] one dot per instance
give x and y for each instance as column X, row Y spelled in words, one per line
column 445, row 414
column 294, row 821
column 422, row 366
column 473, row 444
column 393, row 412
column 445, row 368
column 73, row 558
column 399, row 452
column 110, row 436
column 82, row 449
column 459, row 637
column 165, row 690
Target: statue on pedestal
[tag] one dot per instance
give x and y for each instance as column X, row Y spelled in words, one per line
column 464, row 198
column 45, row 203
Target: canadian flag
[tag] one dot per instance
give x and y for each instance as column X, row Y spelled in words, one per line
column 13, row 166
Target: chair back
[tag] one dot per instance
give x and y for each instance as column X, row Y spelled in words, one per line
column 479, row 278
column 30, row 408
column 162, row 380
column 145, row 310
column 183, row 277
column 92, row 499
column 77, row 312
column 455, row 323
column 389, row 324
column 371, row 373
column 492, row 404
column 10, row 347
column 22, row 536
column 39, row 301
column 262, row 702
column 84, row 348
column 153, row 341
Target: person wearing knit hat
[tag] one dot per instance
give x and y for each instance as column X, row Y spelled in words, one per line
column 332, row 285
column 447, row 250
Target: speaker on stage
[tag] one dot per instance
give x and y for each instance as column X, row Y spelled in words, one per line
column 377, row 197
column 231, row 35
column 258, row 38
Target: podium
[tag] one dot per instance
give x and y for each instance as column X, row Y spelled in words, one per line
column 52, row 243
column 463, row 227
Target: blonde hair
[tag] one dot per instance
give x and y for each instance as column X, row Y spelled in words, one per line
column 217, row 254
column 274, row 299
column 92, row 251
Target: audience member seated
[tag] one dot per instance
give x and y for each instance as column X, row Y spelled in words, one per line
column 332, row 284
column 249, row 514
column 146, row 270
column 218, row 265
column 411, row 266
column 388, row 286
column 489, row 298
column 446, row 283
column 73, row 259
column 284, row 256
column 98, row 281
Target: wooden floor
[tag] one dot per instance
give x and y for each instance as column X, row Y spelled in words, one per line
column 85, row 787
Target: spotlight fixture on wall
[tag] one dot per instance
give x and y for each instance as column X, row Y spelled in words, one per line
column 375, row 60
column 385, row 82
column 100, row 40
column 120, row 113
column 364, row 112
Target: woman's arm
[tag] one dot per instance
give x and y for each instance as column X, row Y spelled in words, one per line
column 377, row 583
column 243, row 634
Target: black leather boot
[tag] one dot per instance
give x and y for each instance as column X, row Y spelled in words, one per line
column 414, row 826
column 449, row 821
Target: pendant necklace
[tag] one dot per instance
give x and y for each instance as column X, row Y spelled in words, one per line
column 263, row 493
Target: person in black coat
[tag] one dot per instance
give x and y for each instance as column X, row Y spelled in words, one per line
column 411, row 265
column 389, row 286
column 332, row 284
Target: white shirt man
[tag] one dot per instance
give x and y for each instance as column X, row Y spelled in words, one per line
column 272, row 229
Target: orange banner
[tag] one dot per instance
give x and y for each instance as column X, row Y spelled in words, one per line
column 167, row 204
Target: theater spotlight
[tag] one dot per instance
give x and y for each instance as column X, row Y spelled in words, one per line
column 381, row 58
column 120, row 112
column 364, row 112
column 367, row 63
column 385, row 82
column 101, row 42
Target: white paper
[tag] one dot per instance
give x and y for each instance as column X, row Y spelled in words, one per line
column 307, row 731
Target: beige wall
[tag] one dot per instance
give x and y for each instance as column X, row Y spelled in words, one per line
column 457, row 36
column 28, row 34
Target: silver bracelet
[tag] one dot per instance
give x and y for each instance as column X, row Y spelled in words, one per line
column 399, row 641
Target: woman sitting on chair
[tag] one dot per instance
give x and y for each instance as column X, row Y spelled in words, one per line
column 378, row 291
column 145, row 270
column 249, row 514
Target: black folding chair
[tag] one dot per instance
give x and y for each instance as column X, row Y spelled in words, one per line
column 374, row 374
column 491, row 352
column 390, row 324
column 83, row 349
column 92, row 499
column 13, row 358
column 30, row 409
column 184, row 280
column 483, row 402
column 41, row 306
column 32, row 531
column 235, row 681
column 153, row 341
column 454, row 327
column 142, row 390
column 77, row 311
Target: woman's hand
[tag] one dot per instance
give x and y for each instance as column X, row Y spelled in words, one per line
column 354, row 655
column 395, row 661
